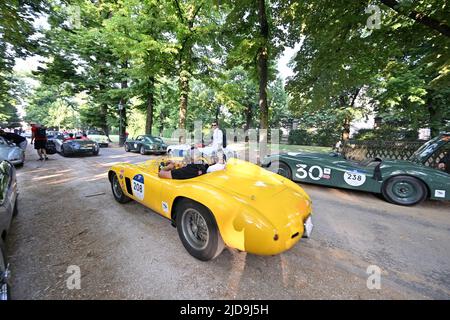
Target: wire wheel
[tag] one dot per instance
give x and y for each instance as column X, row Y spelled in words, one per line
column 198, row 230
column 117, row 191
column 195, row 229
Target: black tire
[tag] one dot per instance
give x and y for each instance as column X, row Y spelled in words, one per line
column 63, row 153
column 95, row 153
column 404, row 190
column 127, row 147
column 117, row 191
column 209, row 244
column 3, row 265
column 281, row 168
column 142, row 150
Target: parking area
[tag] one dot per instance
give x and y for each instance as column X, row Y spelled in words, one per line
column 68, row 217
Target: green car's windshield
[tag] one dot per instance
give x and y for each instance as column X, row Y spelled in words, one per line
column 426, row 150
column 153, row 139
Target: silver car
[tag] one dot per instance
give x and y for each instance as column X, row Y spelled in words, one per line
column 8, row 209
column 9, row 151
column 77, row 146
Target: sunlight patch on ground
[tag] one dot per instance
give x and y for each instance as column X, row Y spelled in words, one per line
column 48, row 177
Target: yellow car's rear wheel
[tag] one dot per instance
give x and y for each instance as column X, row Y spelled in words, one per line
column 198, row 230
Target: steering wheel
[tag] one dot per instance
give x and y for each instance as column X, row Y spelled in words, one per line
column 335, row 154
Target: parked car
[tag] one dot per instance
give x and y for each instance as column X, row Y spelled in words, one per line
column 8, row 209
column 10, row 152
column 76, row 146
column 146, row 144
column 179, row 150
column 243, row 206
column 26, row 134
column 51, row 147
column 403, row 182
column 98, row 136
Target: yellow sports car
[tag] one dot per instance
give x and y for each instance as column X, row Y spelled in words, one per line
column 243, row 206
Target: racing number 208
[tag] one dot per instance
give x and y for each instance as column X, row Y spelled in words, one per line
column 137, row 186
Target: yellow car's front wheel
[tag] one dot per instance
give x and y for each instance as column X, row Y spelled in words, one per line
column 198, row 230
column 117, row 191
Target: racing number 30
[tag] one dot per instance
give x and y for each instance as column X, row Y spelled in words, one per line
column 314, row 172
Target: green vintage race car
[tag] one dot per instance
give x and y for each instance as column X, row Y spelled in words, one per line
column 403, row 182
column 145, row 144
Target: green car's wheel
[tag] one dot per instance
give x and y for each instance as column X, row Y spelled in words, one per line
column 142, row 150
column 127, row 148
column 281, row 168
column 117, row 191
column 198, row 230
column 63, row 152
column 404, row 190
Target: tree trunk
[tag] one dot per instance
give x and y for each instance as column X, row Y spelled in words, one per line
column 248, row 117
column 104, row 119
column 161, row 123
column 150, row 104
column 104, row 114
column 248, row 120
column 184, row 94
column 123, row 110
column 430, row 22
column 217, row 114
column 123, row 117
column 435, row 118
column 263, row 70
column 346, row 129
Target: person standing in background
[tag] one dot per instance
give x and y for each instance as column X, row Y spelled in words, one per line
column 33, row 131
column 40, row 142
column 217, row 139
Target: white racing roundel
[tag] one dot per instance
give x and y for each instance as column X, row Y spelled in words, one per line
column 354, row 178
column 138, row 186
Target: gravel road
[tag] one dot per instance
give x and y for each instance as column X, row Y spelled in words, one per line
column 68, row 217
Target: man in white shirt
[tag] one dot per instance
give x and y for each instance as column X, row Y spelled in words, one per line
column 217, row 142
